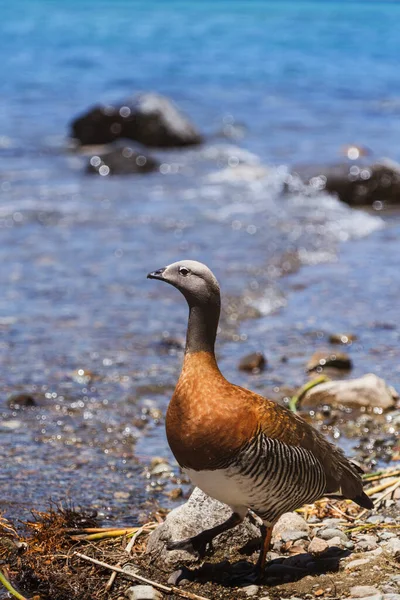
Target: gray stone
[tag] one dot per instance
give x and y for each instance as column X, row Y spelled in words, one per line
column 356, row 564
column 391, row 596
column 143, row 592
column 393, row 547
column 386, row 535
column 336, row 542
column 317, row 545
column 292, row 536
column 367, row 537
column 366, row 543
column 368, row 391
column 328, row 534
column 180, row 576
column 313, row 519
column 250, row 590
column 200, row 512
column 396, row 579
column 331, row 521
column 376, row 519
column 289, row 522
column 359, row 591
column 377, row 596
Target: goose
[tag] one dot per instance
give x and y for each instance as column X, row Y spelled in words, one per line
column 235, row 445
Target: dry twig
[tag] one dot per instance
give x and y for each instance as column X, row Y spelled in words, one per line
column 368, row 477
column 164, row 588
column 128, row 550
column 340, row 512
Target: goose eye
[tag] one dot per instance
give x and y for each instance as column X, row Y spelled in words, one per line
column 184, row 271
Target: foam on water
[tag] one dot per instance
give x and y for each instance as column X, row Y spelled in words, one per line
column 260, row 190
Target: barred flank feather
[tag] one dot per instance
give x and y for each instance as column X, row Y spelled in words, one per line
column 279, row 478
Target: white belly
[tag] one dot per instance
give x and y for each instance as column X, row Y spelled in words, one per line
column 226, row 488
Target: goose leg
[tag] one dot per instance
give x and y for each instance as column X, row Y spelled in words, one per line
column 199, row 542
column 266, row 533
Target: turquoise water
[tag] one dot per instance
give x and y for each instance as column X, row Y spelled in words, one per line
column 304, row 77
column 271, row 84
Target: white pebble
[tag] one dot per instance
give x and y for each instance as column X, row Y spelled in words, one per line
column 143, row 592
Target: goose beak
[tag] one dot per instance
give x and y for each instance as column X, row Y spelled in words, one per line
column 157, row 274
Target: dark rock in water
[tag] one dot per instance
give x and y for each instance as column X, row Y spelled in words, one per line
column 149, row 119
column 121, row 161
column 326, row 359
column 357, row 184
column 21, row 400
column 342, row 338
column 254, row 362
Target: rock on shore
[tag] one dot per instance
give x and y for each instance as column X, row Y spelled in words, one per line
column 202, row 512
column 367, row 391
column 198, row 513
column 150, row 119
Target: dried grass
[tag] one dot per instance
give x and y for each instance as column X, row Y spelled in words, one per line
column 42, row 561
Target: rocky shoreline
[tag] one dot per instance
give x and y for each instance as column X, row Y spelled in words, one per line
column 329, row 550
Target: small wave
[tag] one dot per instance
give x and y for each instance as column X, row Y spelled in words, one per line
column 270, row 302
column 241, row 173
column 274, row 190
column 231, row 154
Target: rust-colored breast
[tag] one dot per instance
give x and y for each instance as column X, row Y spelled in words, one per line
column 207, row 420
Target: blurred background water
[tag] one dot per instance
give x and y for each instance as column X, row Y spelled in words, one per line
column 271, row 85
